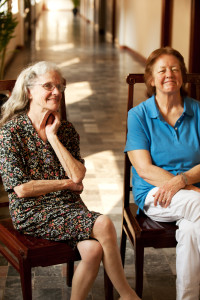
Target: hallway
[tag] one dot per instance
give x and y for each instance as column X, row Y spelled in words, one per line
column 96, row 97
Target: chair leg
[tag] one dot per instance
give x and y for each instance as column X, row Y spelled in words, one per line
column 25, row 276
column 139, row 265
column 70, row 273
column 123, row 246
column 108, row 287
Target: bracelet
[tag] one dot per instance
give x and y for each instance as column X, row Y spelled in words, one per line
column 184, row 178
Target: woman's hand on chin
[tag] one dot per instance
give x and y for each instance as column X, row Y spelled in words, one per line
column 43, row 118
column 52, row 124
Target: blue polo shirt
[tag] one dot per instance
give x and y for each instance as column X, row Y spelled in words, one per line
column 175, row 149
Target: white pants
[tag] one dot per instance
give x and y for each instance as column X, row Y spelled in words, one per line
column 185, row 209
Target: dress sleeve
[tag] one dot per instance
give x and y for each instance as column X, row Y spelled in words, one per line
column 12, row 165
column 138, row 136
column 71, row 140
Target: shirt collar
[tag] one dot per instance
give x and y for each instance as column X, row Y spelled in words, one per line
column 154, row 112
column 187, row 107
column 152, row 109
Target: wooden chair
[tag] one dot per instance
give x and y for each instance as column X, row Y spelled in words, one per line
column 140, row 229
column 24, row 252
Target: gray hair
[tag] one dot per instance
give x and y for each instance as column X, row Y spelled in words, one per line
column 18, row 103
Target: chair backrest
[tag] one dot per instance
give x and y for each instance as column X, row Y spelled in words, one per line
column 193, row 83
column 6, row 87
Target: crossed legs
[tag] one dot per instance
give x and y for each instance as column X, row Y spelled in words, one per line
column 104, row 248
column 91, row 255
column 104, row 232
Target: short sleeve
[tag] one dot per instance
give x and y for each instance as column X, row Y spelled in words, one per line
column 12, row 165
column 70, row 139
column 138, row 133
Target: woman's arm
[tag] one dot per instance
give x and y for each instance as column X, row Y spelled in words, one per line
column 168, row 184
column 139, row 137
column 36, row 188
column 141, row 160
column 74, row 169
column 193, row 175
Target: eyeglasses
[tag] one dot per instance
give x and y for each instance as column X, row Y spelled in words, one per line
column 50, row 86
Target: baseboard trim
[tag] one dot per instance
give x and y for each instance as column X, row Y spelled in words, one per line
column 135, row 54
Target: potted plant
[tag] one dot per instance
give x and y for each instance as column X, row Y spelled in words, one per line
column 76, row 5
column 8, row 24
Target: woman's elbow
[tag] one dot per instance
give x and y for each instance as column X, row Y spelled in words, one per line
column 142, row 173
column 22, row 191
column 78, row 178
column 19, row 190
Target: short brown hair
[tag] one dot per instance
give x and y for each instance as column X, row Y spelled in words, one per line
column 151, row 90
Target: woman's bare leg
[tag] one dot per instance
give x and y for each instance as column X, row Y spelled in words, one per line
column 104, row 232
column 91, row 255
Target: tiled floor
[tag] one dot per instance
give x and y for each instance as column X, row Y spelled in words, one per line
column 96, row 97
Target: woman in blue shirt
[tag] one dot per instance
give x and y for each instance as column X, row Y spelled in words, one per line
column 163, row 144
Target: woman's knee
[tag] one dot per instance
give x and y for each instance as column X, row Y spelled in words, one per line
column 90, row 251
column 104, row 229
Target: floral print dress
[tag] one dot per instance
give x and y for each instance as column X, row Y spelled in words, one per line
column 58, row 216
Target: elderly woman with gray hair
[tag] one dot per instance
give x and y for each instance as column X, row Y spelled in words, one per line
column 42, row 171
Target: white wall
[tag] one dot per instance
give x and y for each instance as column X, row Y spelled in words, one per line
column 87, row 9
column 58, row 4
column 181, row 27
column 140, row 25
column 18, row 39
column 38, row 9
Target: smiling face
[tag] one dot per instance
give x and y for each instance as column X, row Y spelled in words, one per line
column 166, row 75
column 42, row 99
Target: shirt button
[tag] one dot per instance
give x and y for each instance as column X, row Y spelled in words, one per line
column 175, row 128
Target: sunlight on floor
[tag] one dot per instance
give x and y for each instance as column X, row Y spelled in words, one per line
column 61, row 47
column 110, row 190
column 82, row 91
column 70, row 62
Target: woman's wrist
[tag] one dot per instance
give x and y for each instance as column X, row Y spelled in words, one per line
column 183, row 178
column 52, row 137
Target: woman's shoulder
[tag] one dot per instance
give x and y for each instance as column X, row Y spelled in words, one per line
column 192, row 100
column 143, row 107
column 192, row 104
column 67, row 126
column 16, row 123
column 67, row 132
column 66, row 123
